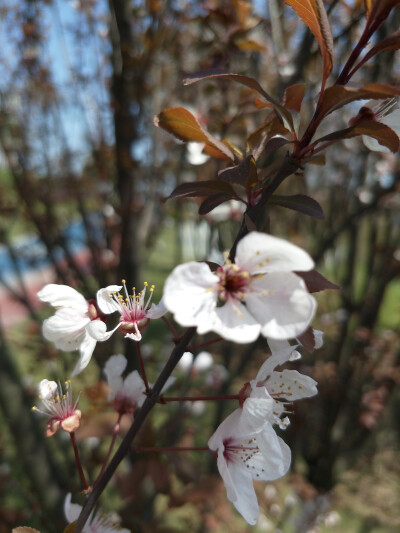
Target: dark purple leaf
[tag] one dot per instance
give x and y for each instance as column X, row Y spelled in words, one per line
column 299, row 202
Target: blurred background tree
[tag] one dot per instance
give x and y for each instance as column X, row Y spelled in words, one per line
column 83, row 175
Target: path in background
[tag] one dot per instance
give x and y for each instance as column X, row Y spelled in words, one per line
column 11, row 310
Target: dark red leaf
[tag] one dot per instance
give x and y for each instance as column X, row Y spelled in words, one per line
column 316, row 282
column 212, row 202
column 299, row 202
column 202, row 188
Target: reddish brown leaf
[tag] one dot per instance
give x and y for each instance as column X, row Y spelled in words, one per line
column 390, row 43
column 183, row 125
column 382, row 133
column 337, row 96
column 258, row 140
column 244, row 80
column 293, row 96
column 368, row 5
column 71, row 528
column 313, row 13
column 379, row 10
column 316, row 282
column 307, row 339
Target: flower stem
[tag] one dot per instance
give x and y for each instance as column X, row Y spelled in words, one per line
column 198, row 346
column 78, row 462
column 140, row 416
column 114, row 437
column 198, row 398
column 142, row 369
column 173, row 449
column 171, row 328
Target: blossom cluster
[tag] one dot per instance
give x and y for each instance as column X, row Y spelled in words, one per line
column 259, row 292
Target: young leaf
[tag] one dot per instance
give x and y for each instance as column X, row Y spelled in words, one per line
column 316, row 282
column 183, row 125
column 337, row 96
column 379, row 10
column 257, row 141
column 293, row 96
column 382, row 133
column 202, row 188
column 299, row 202
column 244, row 80
column 390, row 43
column 367, row 5
column 313, row 13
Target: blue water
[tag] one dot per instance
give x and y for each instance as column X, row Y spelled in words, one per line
column 32, row 254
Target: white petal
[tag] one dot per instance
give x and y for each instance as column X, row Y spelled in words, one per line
column 318, row 338
column 186, row 361
column 115, row 365
column 225, row 430
column 275, row 452
column 259, row 253
column 282, row 305
column 98, row 330
column 280, row 354
column 256, row 411
column 46, row 389
column 203, row 361
column 106, row 304
column 134, row 336
column 63, row 296
column 291, row 385
column 134, row 387
column 246, row 499
column 232, row 321
column 373, row 145
column 190, row 293
column 170, row 381
column 157, row 311
column 65, row 334
column 86, row 349
column 71, row 510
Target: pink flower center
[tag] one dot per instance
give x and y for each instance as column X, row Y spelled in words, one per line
column 133, row 307
column 241, row 452
column 233, row 282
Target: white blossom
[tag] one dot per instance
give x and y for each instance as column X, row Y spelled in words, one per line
column 133, row 308
column 76, row 324
column 58, row 406
column 258, row 293
column 95, row 524
column 278, row 387
column 245, row 455
column 127, row 394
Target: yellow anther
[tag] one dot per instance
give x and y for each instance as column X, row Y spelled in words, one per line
column 145, row 283
column 34, row 408
column 123, row 281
